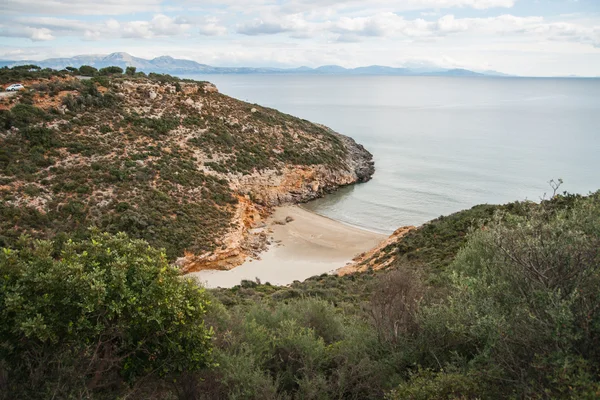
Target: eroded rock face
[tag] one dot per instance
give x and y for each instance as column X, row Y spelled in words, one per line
column 301, row 184
column 243, row 241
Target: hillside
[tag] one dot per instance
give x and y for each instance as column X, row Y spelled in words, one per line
column 170, row 161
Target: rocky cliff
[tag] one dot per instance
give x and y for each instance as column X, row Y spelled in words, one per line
column 296, row 184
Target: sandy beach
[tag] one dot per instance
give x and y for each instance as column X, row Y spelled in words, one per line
column 308, row 245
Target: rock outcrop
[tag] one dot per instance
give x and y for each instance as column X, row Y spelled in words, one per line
column 299, row 184
column 358, row 160
column 372, row 259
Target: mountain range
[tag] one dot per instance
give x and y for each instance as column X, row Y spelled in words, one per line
column 170, row 65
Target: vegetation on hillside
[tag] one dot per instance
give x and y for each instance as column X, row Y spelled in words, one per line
column 148, row 155
column 26, row 72
column 514, row 314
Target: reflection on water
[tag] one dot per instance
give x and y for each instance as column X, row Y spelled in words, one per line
column 331, row 200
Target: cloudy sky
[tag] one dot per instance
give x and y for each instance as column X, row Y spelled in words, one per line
column 525, row 37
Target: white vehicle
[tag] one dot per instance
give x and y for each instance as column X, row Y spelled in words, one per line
column 15, row 87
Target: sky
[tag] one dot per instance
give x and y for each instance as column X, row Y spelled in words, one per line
column 521, row 37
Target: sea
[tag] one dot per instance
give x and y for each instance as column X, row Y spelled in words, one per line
column 442, row 144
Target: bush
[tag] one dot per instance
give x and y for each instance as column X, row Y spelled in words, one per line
column 39, row 136
column 87, row 70
column 23, row 116
column 303, row 349
column 110, row 70
column 395, row 304
column 26, row 72
column 430, row 385
column 107, row 313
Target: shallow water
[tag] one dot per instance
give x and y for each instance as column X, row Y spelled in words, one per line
column 443, row 144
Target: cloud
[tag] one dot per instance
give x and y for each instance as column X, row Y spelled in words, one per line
column 281, row 7
column 272, row 25
column 159, row 26
column 35, row 34
column 449, row 24
column 313, row 32
column 211, row 27
column 48, row 28
column 260, row 27
column 340, row 28
column 391, row 25
column 377, row 25
column 79, row 7
column 295, row 6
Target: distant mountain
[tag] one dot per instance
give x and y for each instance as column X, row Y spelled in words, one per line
column 170, row 65
column 455, row 72
column 329, row 69
column 494, row 73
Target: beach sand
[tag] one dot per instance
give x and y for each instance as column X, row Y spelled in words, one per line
column 307, row 246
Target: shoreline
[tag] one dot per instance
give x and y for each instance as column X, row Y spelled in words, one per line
column 362, row 228
column 310, row 244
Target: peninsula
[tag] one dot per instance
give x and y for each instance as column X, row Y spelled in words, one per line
column 167, row 160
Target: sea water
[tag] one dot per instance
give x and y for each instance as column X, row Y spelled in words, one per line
column 442, row 144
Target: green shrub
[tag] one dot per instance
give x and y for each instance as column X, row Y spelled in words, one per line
column 110, row 70
column 306, row 347
column 26, row 72
column 39, row 136
column 87, row 70
column 238, row 375
column 107, row 313
column 430, row 385
column 23, row 116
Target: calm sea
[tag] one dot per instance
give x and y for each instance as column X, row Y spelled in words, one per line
column 443, row 144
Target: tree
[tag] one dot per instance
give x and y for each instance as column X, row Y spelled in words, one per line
column 72, row 69
column 28, row 67
column 110, row 70
column 87, row 70
column 107, row 312
column 130, row 71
